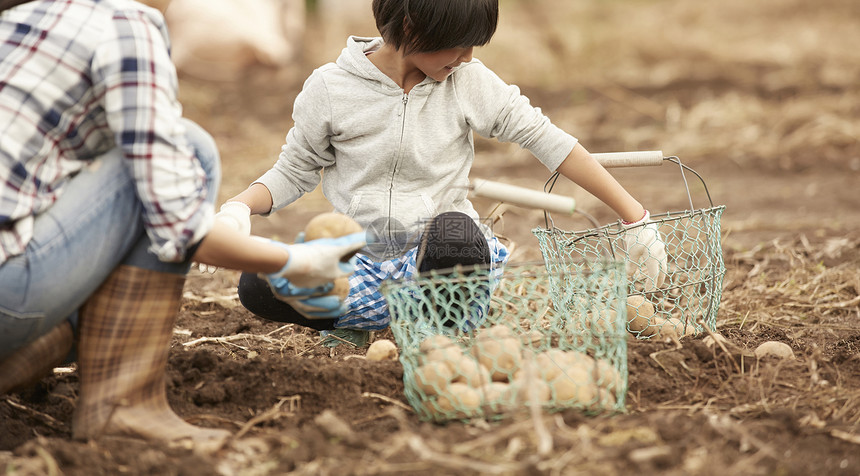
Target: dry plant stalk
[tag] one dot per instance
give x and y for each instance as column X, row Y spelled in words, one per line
column 273, row 413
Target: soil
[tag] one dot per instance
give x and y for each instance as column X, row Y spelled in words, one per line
column 760, row 98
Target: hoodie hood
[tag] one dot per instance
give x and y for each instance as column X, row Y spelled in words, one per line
column 353, row 59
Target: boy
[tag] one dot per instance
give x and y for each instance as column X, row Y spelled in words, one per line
column 391, row 123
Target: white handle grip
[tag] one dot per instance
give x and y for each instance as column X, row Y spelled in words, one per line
column 641, row 158
column 523, row 197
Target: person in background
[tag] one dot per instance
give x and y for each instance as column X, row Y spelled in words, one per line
column 107, row 196
column 390, row 124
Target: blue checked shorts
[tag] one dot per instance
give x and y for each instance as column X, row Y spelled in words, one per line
column 367, row 307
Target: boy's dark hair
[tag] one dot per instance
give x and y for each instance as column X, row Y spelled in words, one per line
column 425, row 26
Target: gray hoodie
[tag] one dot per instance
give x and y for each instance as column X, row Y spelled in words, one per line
column 392, row 160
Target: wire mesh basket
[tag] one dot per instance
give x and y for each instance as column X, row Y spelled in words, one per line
column 683, row 296
column 479, row 343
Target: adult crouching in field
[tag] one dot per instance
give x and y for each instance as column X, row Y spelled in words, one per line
column 107, row 197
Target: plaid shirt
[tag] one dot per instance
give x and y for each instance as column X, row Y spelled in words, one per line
column 77, row 79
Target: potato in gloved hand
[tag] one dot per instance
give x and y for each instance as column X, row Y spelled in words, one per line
column 332, row 225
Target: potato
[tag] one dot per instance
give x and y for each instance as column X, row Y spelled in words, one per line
column 496, row 397
column 561, row 357
column 459, row 398
column 606, row 376
column 498, row 351
column 434, row 342
column 779, row 350
column 467, row 370
column 601, row 321
column 498, row 330
column 575, row 386
column 440, row 348
column 532, row 338
column 527, row 384
column 332, row 225
column 580, row 358
column 605, row 400
column 341, row 288
column 449, row 355
column 640, row 316
column 495, row 393
column 554, row 361
column 670, row 329
column 550, row 364
column 522, row 390
column 382, row 349
column 433, row 377
column 683, row 328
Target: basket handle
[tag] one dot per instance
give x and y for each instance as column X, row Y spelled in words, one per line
column 523, row 197
column 639, row 158
column 645, row 158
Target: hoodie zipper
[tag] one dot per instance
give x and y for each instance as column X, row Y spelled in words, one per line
column 405, row 101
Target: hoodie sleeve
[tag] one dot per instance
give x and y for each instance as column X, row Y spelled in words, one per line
column 498, row 110
column 307, row 149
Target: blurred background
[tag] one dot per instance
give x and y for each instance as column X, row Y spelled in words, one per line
column 761, row 97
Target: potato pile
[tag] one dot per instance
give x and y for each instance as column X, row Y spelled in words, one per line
column 497, row 371
column 332, row 225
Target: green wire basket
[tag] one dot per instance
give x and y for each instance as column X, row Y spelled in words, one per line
column 687, row 299
column 481, row 343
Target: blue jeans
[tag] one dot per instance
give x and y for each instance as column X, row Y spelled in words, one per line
column 95, row 226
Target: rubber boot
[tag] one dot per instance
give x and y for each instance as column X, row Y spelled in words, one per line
column 29, row 364
column 125, row 333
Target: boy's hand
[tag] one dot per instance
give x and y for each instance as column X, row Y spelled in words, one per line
column 646, row 253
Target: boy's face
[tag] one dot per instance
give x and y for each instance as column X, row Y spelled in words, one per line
column 439, row 64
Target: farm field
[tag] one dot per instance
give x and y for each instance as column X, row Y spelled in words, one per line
column 760, row 98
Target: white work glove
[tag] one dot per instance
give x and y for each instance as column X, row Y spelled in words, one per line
column 646, row 253
column 310, row 271
column 319, row 262
column 236, row 215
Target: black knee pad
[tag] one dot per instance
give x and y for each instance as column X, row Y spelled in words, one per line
column 450, row 239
